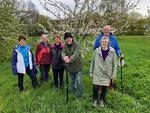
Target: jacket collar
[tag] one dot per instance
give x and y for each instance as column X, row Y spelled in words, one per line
column 110, row 51
column 54, row 45
column 73, row 42
column 17, row 48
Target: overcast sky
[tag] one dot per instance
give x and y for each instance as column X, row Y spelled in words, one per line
column 141, row 8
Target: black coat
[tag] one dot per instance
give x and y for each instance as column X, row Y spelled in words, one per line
column 57, row 62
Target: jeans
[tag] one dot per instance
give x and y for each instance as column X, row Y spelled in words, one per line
column 44, row 69
column 58, row 73
column 103, row 92
column 33, row 78
column 76, row 78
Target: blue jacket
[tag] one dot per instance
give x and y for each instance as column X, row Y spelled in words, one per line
column 113, row 43
column 24, row 51
column 14, row 60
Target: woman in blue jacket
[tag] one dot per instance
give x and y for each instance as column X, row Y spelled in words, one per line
column 23, row 62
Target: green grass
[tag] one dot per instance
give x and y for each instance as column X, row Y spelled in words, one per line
column 46, row 99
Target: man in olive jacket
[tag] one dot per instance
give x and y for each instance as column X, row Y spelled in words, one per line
column 71, row 55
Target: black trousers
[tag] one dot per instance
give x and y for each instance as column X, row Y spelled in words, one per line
column 95, row 92
column 44, row 69
column 33, row 78
column 58, row 73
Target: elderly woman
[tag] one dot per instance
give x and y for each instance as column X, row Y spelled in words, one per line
column 102, row 70
column 43, row 57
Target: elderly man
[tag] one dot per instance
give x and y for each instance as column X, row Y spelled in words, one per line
column 113, row 41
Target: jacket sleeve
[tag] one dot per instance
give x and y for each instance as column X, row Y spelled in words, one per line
column 14, row 62
column 36, row 53
column 63, row 53
column 33, row 60
column 76, row 54
column 97, row 42
column 92, row 65
column 117, row 48
column 51, row 54
column 114, row 66
column 34, row 64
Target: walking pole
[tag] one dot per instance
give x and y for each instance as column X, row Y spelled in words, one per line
column 67, row 83
column 121, row 66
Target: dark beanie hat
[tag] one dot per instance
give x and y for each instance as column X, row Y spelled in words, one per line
column 67, row 34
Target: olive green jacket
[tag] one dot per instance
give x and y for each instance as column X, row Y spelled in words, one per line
column 74, row 53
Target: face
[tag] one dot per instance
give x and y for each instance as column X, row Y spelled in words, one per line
column 104, row 43
column 69, row 40
column 106, row 30
column 57, row 41
column 22, row 42
column 44, row 39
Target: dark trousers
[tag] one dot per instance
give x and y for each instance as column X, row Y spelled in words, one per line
column 44, row 69
column 58, row 73
column 33, row 78
column 103, row 92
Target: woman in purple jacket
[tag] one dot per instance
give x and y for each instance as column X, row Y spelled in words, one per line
column 57, row 62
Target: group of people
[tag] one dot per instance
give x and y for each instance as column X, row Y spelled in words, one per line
column 57, row 56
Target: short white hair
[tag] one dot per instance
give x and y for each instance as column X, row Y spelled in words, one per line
column 44, row 36
column 105, row 38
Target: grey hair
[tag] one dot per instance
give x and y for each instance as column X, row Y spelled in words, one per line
column 44, row 35
column 104, row 38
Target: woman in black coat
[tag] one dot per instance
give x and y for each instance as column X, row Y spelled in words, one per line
column 57, row 62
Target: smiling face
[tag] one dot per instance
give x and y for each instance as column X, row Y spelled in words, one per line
column 22, row 42
column 57, row 41
column 106, row 30
column 69, row 40
column 104, row 43
column 44, row 38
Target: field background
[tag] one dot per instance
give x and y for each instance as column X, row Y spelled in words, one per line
column 47, row 99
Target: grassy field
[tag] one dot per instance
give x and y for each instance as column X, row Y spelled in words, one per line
column 47, row 99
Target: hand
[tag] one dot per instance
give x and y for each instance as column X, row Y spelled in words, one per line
column 66, row 58
column 122, row 62
column 91, row 75
column 37, row 65
column 113, row 79
column 121, row 57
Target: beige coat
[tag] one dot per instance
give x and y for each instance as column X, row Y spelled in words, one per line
column 102, row 71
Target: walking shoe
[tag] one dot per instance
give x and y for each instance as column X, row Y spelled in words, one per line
column 79, row 98
column 101, row 103
column 94, row 104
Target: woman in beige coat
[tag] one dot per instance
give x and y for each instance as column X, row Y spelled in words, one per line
column 102, row 70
